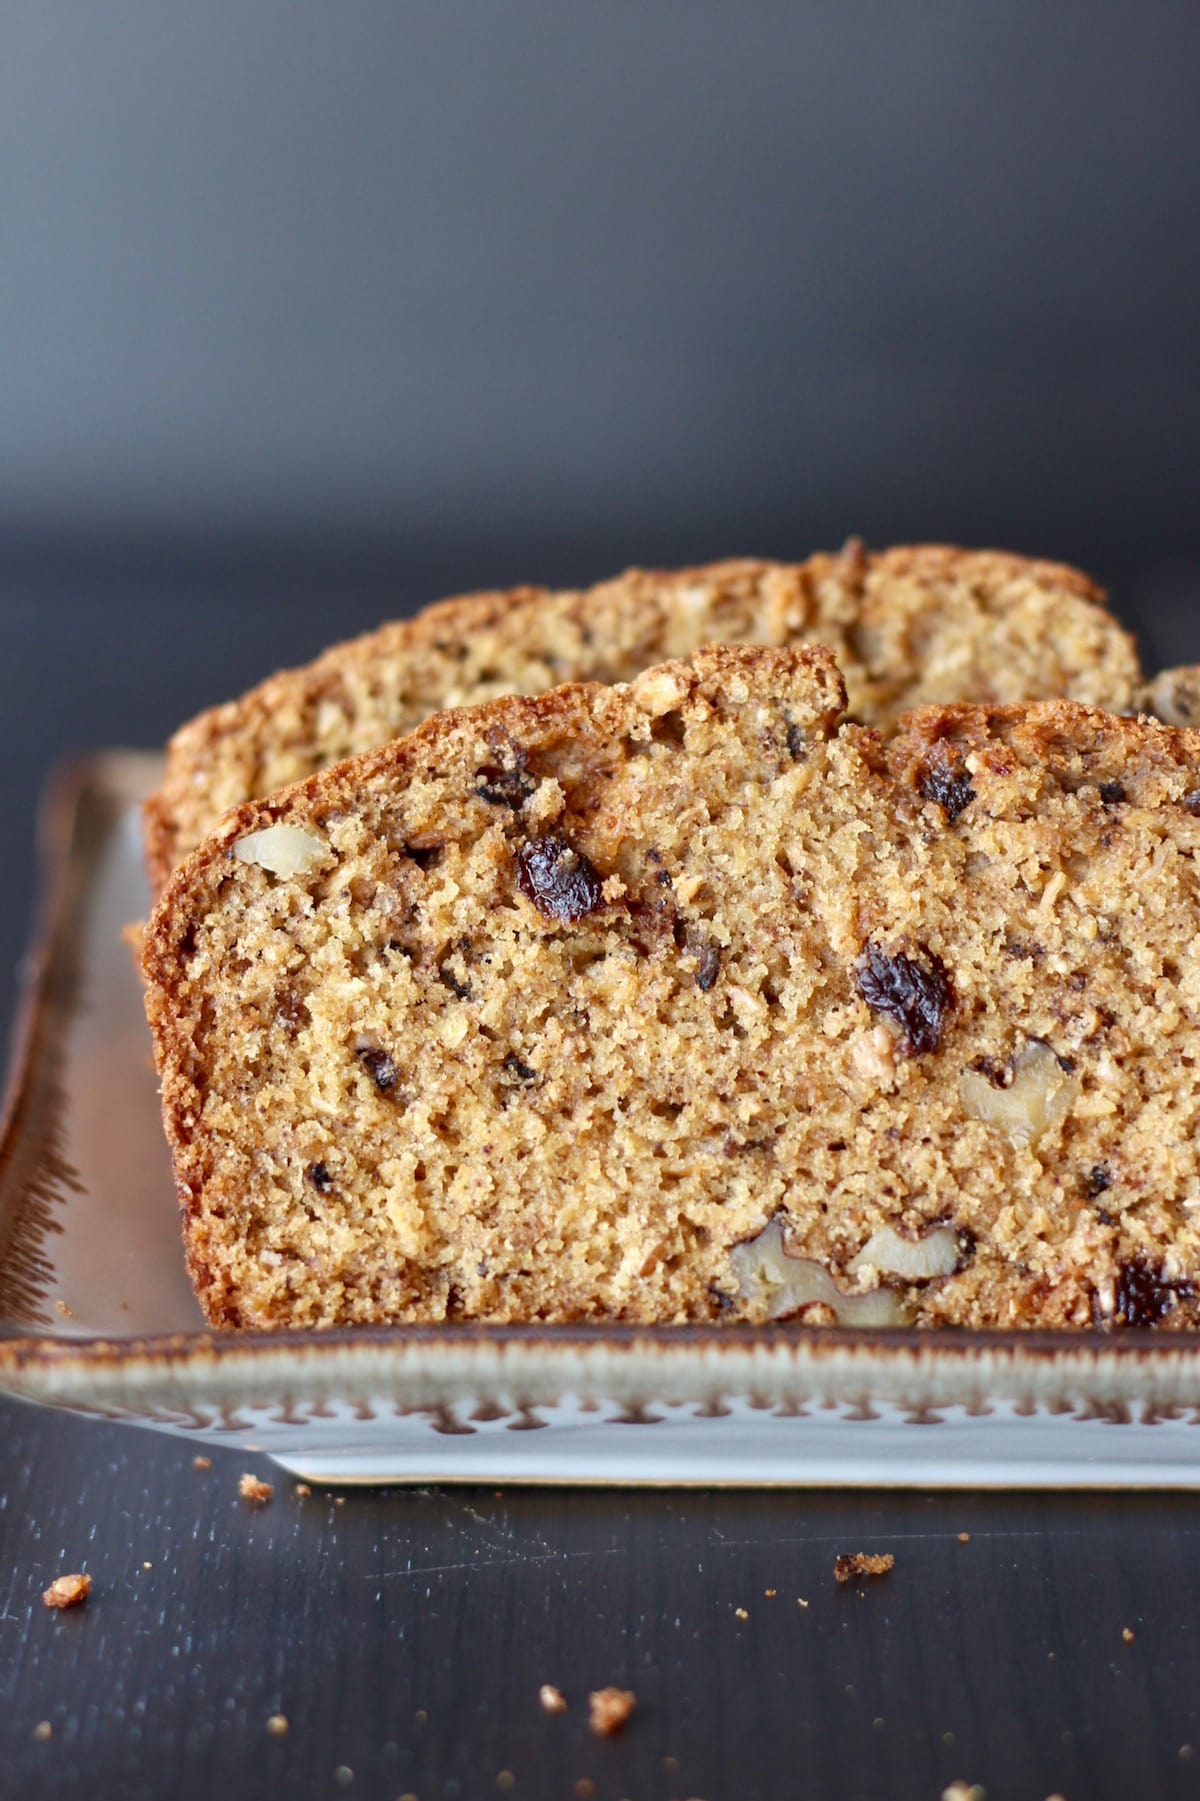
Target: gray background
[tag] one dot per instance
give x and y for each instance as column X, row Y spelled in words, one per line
column 583, row 283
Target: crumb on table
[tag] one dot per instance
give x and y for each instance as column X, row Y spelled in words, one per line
column 964, row 1791
column 552, row 1699
column 609, row 1708
column 67, row 1591
column 1128, row 1634
column 253, row 1488
column 851, row 1564
column 202, row 1463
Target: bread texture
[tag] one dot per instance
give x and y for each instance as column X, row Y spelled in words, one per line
column 909, row 626
column 680, row 1001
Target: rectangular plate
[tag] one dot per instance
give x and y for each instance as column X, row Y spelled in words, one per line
column 96, row 1314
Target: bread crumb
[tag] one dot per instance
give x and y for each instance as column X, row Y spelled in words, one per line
column 739, row 1613
column 302, row 1488
column 964, row 1538
column 42, row 1731
column 964, row 1791
column 202, row 1463
column 862, row 1563
column 67, row 1591
column 609, row 1708
column 770, row 1593
column 339, row 1500
column 552, row 1699
column 277, row 1725
column 251, row 1488
column 800, row 1602
column 1128, row 1634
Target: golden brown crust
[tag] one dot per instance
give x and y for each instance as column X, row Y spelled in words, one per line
column 909, row 625
column 677, row 1001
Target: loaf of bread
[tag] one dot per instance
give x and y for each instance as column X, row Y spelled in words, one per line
column 908, row 626
column 677, row 1001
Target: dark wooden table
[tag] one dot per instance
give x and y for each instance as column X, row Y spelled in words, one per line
column 404, row 1634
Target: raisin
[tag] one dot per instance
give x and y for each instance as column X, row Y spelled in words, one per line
column 1192, row 801
column 447, row 976
column 558, row 879
column 320, row 1177
column 915, row 993
column 948, row 785
column 292, row 1012
column 1113, row 793
column 1143, row 1298
column 796, row 743
column 707, row 954
column 965, row 1242
column 520, row 1072
column 381, row 1067
column 1097, row 1179
column 423, row 855
column 505, row 787
column 708, row 966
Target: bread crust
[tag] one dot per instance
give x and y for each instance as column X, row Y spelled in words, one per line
column 914, row 623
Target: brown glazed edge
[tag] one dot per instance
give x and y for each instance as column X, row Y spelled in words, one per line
column 27, row 1210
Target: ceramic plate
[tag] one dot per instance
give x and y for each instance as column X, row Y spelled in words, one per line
column 96, row 1314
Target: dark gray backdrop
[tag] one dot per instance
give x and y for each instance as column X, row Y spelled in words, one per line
column 600, row 281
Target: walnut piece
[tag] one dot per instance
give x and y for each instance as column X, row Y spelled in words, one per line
column 283, row 849
column 766, row 1275
column 1174, row 696
column 1039, row 1094
column 916, row 1260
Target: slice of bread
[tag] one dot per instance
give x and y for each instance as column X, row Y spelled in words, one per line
column 908, row 626
column 673, row 1001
